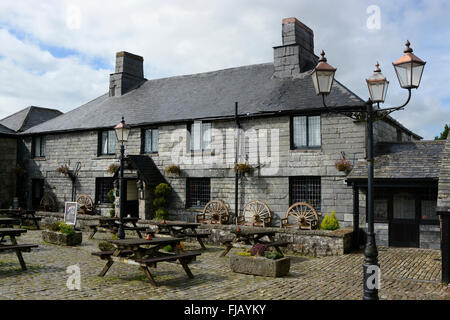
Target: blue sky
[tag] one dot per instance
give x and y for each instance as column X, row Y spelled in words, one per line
column 59, row 54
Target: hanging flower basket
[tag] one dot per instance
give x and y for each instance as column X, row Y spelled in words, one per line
column 343, row 165
column 173, row 169
column 113, row 167
column 242, row 168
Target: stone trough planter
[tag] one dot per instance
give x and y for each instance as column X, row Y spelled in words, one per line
column 62, row 238
column 260, row 266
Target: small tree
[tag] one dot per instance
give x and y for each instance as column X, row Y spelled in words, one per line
column 112, row 199
column 330, row 223
column 444, row 134
column 160, row 202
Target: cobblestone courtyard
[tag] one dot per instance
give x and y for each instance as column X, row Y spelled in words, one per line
column 406, row 274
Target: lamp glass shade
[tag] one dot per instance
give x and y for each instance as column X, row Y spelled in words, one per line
column 377, row 85
column 323, row 80
column 409, row 69
column 122, row 132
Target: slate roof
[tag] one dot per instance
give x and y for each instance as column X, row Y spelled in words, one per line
column 29, row 117
column 6, row 131
column 200, row 96
column 444, row 180
column 403, row 160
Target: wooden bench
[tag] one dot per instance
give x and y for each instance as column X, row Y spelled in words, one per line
column 183, row 258
column 115, row 229
column 21, row 247
column 105, row 254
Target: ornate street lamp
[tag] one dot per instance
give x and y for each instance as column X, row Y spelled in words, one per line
column 377, row 85
column 409, row 70
column 323, row 76
column 122, row 132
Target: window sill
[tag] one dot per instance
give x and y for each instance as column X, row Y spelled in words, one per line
column 307, row 150
column 194, row 209
column 150, row 154
column 201, row 153
column 38, row 158
column 106, row 156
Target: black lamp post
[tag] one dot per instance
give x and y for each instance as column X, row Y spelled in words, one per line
column 409, row 70
column 122, row 131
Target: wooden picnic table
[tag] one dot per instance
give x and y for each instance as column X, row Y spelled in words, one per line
column 22, row 215
column 18, row 248
column 8, row 222
column 106, row 224
column 252, row 237
column 181, row 229
column 133, row 252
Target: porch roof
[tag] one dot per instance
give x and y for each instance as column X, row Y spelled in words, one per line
column 403, row 160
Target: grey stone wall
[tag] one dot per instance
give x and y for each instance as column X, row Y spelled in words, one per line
column 8, row 155
column 429, row 236
column 268, row 181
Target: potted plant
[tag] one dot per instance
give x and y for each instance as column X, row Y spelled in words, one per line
column 343, row 165
column 64, row 170
column 61, row 233
column 260, row 261
column 162, row 193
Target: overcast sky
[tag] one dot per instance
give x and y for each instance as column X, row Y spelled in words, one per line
column 59, row 54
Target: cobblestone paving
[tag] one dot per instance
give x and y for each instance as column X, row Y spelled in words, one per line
column 406, row 274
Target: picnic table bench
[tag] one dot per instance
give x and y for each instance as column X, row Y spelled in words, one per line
column 8, row 222
column 18, row 248
column 252, row 237
column 22, row 215
column 131, row 251
column 181, row 229
column 112, row 225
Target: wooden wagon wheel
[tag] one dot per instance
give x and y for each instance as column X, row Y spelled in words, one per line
column 257, row 212
column 302, row 214
column 85, row 203
column 48, row 203
column 216, row 212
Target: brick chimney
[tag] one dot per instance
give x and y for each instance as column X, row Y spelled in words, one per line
column 296, row 55
column 129, row 73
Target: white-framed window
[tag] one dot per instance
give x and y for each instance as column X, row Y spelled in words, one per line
column 150, row 142
column 200, row 135
column 305, row 132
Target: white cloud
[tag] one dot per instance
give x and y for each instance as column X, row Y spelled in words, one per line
column 181, row 37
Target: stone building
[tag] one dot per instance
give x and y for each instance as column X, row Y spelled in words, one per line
column 289, row 139
column 8, row 147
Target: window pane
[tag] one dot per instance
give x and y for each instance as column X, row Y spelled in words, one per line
column 104, row 142
column 37, row 146
column 429, row 210
column 299, row 132
column 380, row 209
column 148, row 141
column 206, row 135
column 155, row 140
column 306, row 189
column 195, row 135
column 111, row 142
column 314, row 131
column 198, row 192
column 404, row 206
column 42, row 153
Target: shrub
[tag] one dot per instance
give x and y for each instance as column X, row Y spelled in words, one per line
column 168, row 248
column 161, row 214
column 112, row 199
column 272, row 255
column 66, row 229
column 163, row 190
column 258, row 249
column 54, row 226
column 159, row 202
column 105, row 246
column 330, row 223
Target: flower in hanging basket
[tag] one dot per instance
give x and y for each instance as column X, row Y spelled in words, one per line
column 343, row 165
column 113, row 167
column 64, row 169
column 242, row 167
column 173, row 169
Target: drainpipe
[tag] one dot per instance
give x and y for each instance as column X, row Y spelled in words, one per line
column 236, row 179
